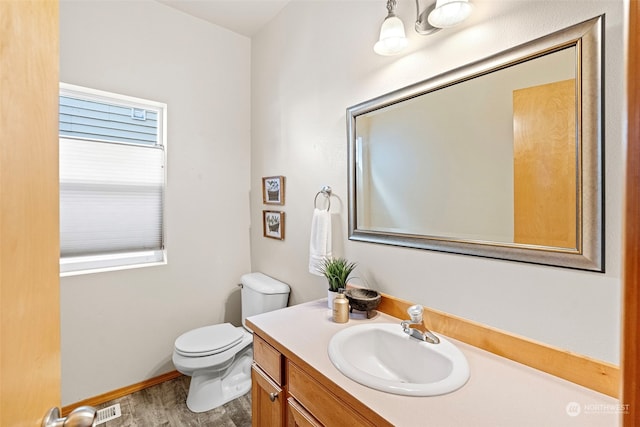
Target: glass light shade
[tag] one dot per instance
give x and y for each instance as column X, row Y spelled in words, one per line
column 449, row 13
column 392, row 37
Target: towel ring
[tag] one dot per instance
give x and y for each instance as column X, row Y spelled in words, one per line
column 326, row 192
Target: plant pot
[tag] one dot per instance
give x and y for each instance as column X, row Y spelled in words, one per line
column 331, row 295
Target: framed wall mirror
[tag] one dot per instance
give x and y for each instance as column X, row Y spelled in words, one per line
column 501, row 158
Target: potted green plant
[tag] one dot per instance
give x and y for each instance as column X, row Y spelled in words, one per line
column 337, row 271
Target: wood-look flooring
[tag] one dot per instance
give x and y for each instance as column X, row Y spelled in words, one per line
column 165, row 405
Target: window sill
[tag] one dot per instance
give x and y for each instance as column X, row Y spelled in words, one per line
column 104, row 263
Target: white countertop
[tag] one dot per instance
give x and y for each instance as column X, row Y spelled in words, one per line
column 499, row 392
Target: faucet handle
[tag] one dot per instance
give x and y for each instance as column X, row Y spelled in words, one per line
column 415, row 313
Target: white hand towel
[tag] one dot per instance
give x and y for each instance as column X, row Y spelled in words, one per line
column 320, row 242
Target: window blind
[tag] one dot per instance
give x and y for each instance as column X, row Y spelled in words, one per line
column 111, row 198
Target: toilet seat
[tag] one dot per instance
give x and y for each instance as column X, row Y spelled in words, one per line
column 208, row 340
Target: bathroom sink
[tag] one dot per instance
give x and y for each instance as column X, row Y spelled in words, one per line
column 383, row 357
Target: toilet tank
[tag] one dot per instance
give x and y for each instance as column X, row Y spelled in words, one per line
column 261, row 293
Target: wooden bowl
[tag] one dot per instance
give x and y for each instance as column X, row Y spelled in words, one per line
column 363, row 300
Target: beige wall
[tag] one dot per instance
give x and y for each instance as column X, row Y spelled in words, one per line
column 315, row 59
column 118, row 328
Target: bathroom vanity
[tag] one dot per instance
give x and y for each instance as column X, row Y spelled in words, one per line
column 288, row 391
column 296, row 384
column 306, row 400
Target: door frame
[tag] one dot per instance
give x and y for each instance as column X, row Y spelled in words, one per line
column 630, row 396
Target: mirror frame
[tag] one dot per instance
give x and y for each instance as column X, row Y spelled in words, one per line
column 587, row 38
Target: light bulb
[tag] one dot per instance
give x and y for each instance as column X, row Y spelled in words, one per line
column 448, row 13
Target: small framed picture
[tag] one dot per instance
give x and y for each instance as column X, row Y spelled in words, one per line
column 273, row 190
column 273, row 224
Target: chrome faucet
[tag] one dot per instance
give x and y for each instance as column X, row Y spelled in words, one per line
column 416, row 328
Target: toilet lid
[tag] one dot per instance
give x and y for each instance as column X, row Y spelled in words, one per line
column 208, row 340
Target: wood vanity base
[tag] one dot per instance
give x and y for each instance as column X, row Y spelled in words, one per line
column 287, row 391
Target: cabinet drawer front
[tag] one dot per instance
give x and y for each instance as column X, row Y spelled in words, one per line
column 320, row 402
column 297, row 416
column 269, row 359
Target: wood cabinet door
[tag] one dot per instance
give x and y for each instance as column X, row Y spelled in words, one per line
column 267, row 400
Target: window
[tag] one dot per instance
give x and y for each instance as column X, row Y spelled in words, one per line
column 112, row 180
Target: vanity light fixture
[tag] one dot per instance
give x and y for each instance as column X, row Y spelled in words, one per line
column 392, row 37
column 440, row 14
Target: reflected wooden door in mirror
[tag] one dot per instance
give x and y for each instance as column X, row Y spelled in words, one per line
column 544, row 165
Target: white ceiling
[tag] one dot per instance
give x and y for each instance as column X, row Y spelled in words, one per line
column 245, row 17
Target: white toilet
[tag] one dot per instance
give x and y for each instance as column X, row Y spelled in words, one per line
column 218, row 357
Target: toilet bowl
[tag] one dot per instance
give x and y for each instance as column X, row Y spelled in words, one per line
column 220, row 371
column 218, row 357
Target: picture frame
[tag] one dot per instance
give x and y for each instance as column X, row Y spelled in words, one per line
column 273, row 224
column 273, row 190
